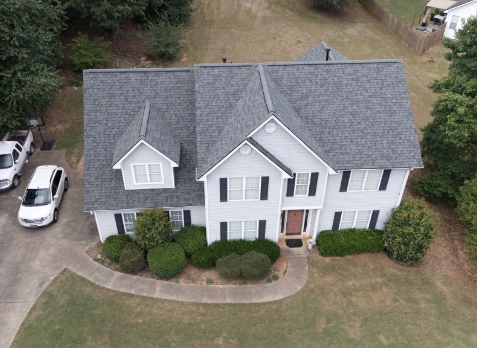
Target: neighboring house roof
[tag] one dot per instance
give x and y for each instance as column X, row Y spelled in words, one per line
column 441, row 4
column 153, row 128
column 351, row 114
column 458, row 4
column 318, row 54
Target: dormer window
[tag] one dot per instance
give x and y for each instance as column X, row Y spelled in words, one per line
column 150, row 173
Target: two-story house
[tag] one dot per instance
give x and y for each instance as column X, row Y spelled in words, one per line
column 250, row 150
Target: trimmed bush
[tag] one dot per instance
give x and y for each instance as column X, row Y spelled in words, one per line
column 267, row 247
column 88, row 54
column 203, row 258
column 229, row 266
column 241, row 246
column 409, row 231
column 167, row 260
column 152, row 228
column 221, row 248
column 131, row 258
column 113, row 245
column 191, row 238
column 349, row 241
column 254, row 265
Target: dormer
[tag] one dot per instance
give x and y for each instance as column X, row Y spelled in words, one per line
column 147, row 152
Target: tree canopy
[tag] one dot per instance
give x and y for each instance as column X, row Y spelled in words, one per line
column 334, row 5
column 449, row 143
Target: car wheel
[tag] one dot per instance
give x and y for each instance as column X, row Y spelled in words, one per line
column 32, row 149
column 67, row 186
column 55, row 215
column 16, row 181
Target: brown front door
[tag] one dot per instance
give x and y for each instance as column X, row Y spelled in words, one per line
column 294, row 221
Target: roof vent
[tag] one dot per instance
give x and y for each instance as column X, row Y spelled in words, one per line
column 245, row 150
column 224, row 59
column 327, row 54
column 270, row 127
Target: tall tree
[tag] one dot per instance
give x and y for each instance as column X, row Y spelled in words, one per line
column 449, row 143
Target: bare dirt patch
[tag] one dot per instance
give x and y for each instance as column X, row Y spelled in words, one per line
column 191, row 274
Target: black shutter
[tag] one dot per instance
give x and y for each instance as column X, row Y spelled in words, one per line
column 264, row 188
column 384, row 180
column 168, row 216
column 187, row 220
column 345, row 181
column 291, row 186
column 223, row 189
column 262, row 224
column 374, row 219
column 313, row 184
column 223, row 230
column 336, row 221
column 119, row 223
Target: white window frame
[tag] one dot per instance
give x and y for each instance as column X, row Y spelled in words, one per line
column 454, row 23
column 364, row 180
column 125, row 223
column 356, row 212
column 244, row 185
column 182, row 219
column 147, row 174
column 307, row 185
column 243, row 229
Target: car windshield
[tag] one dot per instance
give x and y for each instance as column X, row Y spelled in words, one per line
column 37, row 197
column 6, row 161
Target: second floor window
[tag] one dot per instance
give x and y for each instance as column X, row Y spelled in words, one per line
column 365, row 180
column 301, row 184
column 244, row 188
column 147, row 173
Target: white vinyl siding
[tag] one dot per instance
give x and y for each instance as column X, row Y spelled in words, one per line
column 128, row 221
column 302, row 184
column 456, row 15
column 453, row 23
column 177, row 219
column 247, row 188
column 243, row 230
column 355, row 219
column 154, row 170
column 365, row 180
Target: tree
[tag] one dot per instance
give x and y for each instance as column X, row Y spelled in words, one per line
column 467, row 209
column 29, row 53
column 87, row 54
column 152, row 228
column 449, row 143
column 334, row 5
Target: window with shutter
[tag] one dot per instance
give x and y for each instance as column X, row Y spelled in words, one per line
column 301, row 184
column 176, row 217
column 247, row 188
column 243, row 230
column 365, row 180
column 355, row 219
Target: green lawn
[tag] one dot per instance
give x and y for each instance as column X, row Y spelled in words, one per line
column 405, row 10
column 356, row 301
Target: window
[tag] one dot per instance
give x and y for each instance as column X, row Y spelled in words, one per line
column 365, row 180
column 244, row 188
column 176, row 218
column 355, row 219
column 128, row 220
column 453, row 23
column 302, row 183
column 243, row 230
column 16, row 155
column 18, row 147
column 147, row 173
column 56, row 182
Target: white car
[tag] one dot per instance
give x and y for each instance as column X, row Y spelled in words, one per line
column 42, row 197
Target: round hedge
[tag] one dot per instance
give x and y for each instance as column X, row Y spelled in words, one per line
column 191, row 238
column 131, row 258
column 229, row 266
column 113, row 245
column 203, row 258
column 241, row 246
column 166, row 260
column 221, row 248
column 254, row 265
column 267, row 247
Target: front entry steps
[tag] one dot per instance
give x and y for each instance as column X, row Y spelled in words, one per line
column 303, row 250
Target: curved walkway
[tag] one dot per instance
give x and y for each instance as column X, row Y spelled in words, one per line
column 293, row 281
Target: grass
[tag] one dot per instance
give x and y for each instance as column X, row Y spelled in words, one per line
column 356, row 301
column 405, row 10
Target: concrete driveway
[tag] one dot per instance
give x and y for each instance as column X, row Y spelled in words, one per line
column 30, row 259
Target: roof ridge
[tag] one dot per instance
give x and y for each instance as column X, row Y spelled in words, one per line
column 128, row 70
column 145, row 119
column 337, row 62
column 266, row 91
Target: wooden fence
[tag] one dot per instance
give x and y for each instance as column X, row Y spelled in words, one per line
column 413, row 40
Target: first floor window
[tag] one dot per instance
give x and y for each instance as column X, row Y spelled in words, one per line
column 355, row 219
column 243, row 230
column 302, row 183
column 244, row 188
column 365, row 180
column 176, row 218
column 453, row 23
column 128, row 220
column 147, row 173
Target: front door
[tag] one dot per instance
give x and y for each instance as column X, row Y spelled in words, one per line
column 294, row 222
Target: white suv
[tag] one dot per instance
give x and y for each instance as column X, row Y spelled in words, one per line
column 42, row 197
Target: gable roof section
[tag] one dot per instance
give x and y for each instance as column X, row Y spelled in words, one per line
column 458, row 4
column 318, row 54
column 152, row 128
column 272, row 158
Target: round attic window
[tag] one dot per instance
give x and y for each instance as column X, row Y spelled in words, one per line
column 245, row 150
column 270, row 127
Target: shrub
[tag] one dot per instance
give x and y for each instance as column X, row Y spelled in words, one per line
column 164, row 38
column 471, row 244
column 191, row 238
column 267, row 247
column 221, row 248
column 131, row 258
column 88, row 54
column 254, row 265
column 203, row 258
column 467, row 205
column 229, row 266
column 167, row 260
column 241, row 246
column 114, row 244
column 409, row 231
column 349, row 241
column 152, row 228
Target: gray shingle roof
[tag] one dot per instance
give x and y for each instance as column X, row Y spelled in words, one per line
column 458, row 3
column 318, row 54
